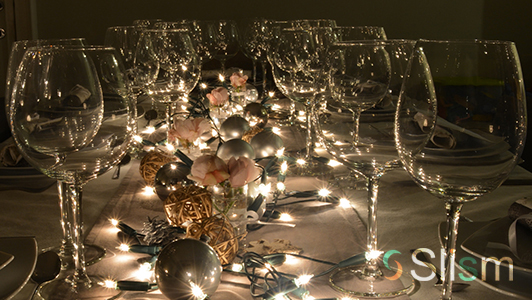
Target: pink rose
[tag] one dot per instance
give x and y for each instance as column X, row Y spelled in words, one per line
column 218, row 97
column 188, row 130
column 242, row 171
column 209, row 170
column 238, row 81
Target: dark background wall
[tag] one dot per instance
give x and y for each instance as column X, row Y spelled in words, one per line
column 413, row 19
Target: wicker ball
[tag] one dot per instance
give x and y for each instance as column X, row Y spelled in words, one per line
column 188, row 204
column 221, row 236
column 152, row 162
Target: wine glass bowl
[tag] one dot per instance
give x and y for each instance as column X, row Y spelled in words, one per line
column 461, row 124
column 226, row 41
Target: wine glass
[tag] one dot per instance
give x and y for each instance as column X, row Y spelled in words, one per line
column 17, row 52
column 171, row 57
column 63, row 129
column 364, row 72
column 461, row 124
column 296, row 52
column 226, row 41
column 254, row 39
column 355, row 33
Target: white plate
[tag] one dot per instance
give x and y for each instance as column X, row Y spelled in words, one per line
column 15, row 275
column 27, row 179
column 5, row 259
column 474, row 238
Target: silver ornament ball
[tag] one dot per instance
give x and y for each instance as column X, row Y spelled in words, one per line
column 235, row 148
column 266, row 143
column 185, row 265
column 256, row 114
column 234, row 127
column 170, row 177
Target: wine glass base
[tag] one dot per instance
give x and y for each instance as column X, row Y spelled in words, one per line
column 312, row 168
column 62, row 288
column 93, row 253
column 349, row 181
column 353, row 281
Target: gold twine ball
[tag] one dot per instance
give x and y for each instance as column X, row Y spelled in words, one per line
column 188, row 204
column 152, row 162
column 221, row 234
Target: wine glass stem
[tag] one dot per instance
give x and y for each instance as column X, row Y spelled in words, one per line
column 453, row 216
column 80, row 277
column 264, row 81
column 254, row 62
column 356, row 126
column 308, row 140
column 372, row 267
column 168, row 119
column 67, row 245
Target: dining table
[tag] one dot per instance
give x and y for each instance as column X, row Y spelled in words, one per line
column 408, row 218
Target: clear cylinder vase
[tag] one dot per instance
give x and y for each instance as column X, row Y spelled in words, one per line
column 233, row 203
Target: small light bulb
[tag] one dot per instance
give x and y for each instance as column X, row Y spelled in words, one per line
column 344, row 203
column 123, row 248
column 280, row 151
column 221, row 77
column 285, row 217
column 300, row 161
column 324, row 192
column 148, row 130
column 303, row 279
column 114, row 222
column 284, row 167
column 334, row 163
column 280, row 186
column 137, row 138
column 373, row 254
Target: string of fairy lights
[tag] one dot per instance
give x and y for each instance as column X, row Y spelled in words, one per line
column 265, row 281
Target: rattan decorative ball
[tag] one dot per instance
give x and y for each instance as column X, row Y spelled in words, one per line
column 221, row 234
column 152, row 162
column 188, row 204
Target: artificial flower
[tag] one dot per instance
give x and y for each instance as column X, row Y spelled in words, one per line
column 238, row 81
column 242, row 171
column 209, row 170
column 188, row 130
column 218, row 97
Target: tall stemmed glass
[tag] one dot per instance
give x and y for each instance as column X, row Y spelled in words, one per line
column 461, row 124
column 253, row 42
column 363, row 72
column 295, row 54
column 179, row 67
column 64, row 129
column 227, row 43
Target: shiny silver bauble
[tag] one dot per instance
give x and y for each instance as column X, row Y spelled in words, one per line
column 235, row 148
column 234, row 127
column 170, row 177
column 186, row 268
column 266, row 143
column 256, row 114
